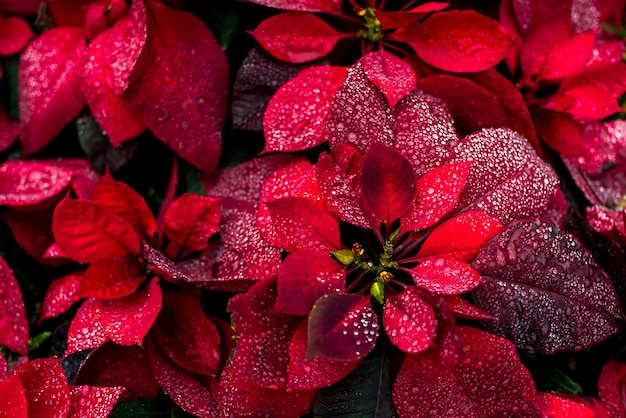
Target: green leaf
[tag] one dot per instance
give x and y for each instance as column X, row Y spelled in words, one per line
column 345, row 257
column 550, row 379
column 378, row 291
column 366, row 392
column 148, row 408
column 192, row 179
column 35, row 342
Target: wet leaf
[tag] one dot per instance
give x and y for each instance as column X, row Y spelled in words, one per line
column 364, row 392
column 49, row 86
column 89, row 232
column 392, row 75
column 341, row 327
column 61, row 295
column 547, row 291
column 93, row 401
column 302, row 5
column 296, row 37
column 445, row 275
column 409, row 321
column 559, row 405
column 490, row 380
column 13, row 402
column 111, row 278
column 13, row 322
column 295, row 115
column 86, row 330
column 46, row 388
column 394, row 20
column 611, row 388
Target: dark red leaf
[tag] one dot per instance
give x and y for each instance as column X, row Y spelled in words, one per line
column 445, row 275
column 392, row 75
column 189, row 223
column 126, row 320
column 116, row 365
column 102, row 14
column 61, row 295
column 302, row 5
column 111, row 278
column 313, row 373
column 387, row 182
column 489, row 381
column 9, row 129
column 88, row 232
column 294, row 118
column 461, row 237
column 304, row 277
column 49, row 85
column 13, row 402
column 14, row 35
column 342, row 327
column 182, row 88
column 161, row 265
column 185, row 334
column 86, row 331
column 126, row 203
column 303, row 224
column 186, row 389
column 523, row 286
column 28, row 7
column 461, row 308
column 559, row 131
column 32, row 230
column 612, row 388
column 46, row 388
column 13, row 322
column 437, row 193
column 109, row 61
column 462, row 41
column 93, row 401
column 394, row 20
column 409, row 321
column 447, row 341
column 296, row 37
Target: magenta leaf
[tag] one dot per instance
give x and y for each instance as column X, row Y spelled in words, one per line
column 445, row 276
column 118, row 365
column 304, row 277
column 186, row 389
column 14, row 35
column 111, row 278
column 61, row 295
column 296, row 37
column 186, row 335
column 302, row 5
column 13, row 322
column 93, row 401
column 126, row 320
column 612, row 388
column 294, row 118
column 387, row 182
column 109, row 62
column 409, row 321
column 49, row 85
column 490, row 380
column 392, row 75
column 341, row 327
column 303, row 224
column 523, row 271
column 461, row 41
column 46, row 388
column 88, row 232
column 182, row 88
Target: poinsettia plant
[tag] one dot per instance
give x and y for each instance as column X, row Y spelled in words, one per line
column 312, row 208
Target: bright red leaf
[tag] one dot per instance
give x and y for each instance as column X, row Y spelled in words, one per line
column 394, row 20
column 409, row 321
column 14, row 35
column 445, row 276
column 182, row 88
column 302, row 5
column 564, row 406
column 86, row 331
column 89, row 232
column 49, row 85
column 296, row 37
column 61, row 295
column 46, row 388
column 111, row 278
column 93, row 401
column 13, row 401
column 13, row 322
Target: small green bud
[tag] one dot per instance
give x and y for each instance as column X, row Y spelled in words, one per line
column 345, row 257
column 378, row 291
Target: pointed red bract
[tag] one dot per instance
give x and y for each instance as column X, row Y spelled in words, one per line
column 111, row 279
column 126, row 203
column 461, row 41
column 109, row 61
column 563, row 406
column 612, row 388
column 182, row 88
column 189, row 223
column 392, row 75
column 88, row 232
column 409, row 321
column 93, row 401
column 294, row 117
column 46, row 388
column 302, row 5
column 185, row 334
column 303, row 224
column 303, row 278
column 394, row 20
column 490, row 380
column 461, row 308
column 13, row 401
column 61, row 295
column 14, row 35
column 102, row 14
column 341, row 327
column 127, row 320
column 445, row 276
column 13, row 323
column 387, row 182
column 523, row 269
column 86, row 331
column 49, row 85
column 296, row 37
